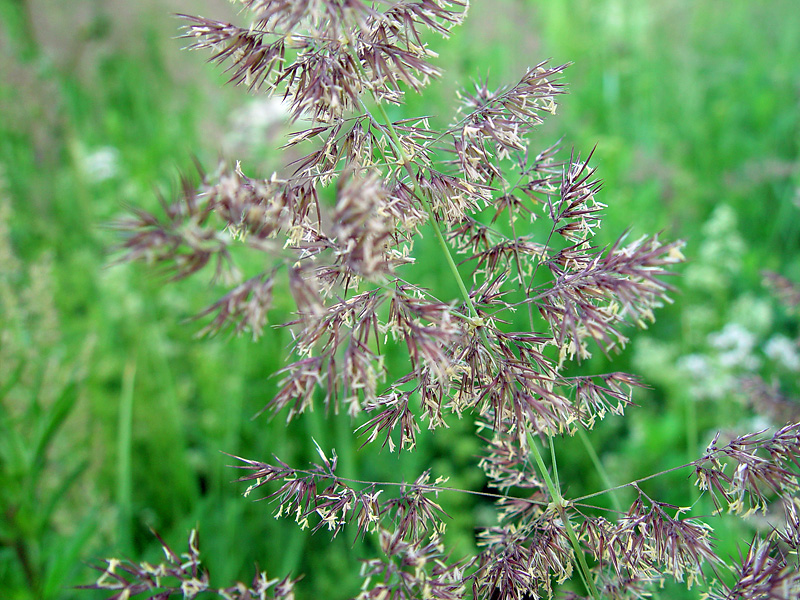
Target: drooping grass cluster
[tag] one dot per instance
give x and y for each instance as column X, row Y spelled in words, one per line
column 340, row 229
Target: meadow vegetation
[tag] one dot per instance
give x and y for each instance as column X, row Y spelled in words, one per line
column 115, row 413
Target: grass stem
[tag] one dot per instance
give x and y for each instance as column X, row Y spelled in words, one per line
column 124, row 450
column 601, row 471
column 560, row 505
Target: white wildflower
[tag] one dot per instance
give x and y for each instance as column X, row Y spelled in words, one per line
column 736, row 344
column 100, row 164
column 782, row 350
column 696, row 366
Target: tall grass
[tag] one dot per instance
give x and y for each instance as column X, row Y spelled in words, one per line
column 691, row 106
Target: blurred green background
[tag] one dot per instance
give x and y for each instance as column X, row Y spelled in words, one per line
column 114, row 414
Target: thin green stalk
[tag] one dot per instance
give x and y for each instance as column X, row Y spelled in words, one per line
column 406, row 160
column 561, row 505
column 124, row 473
column 692, row 439
column 429, row 209
column 553, row 460
column 343, row 435
column 316, row 430
column 600, row 469
column 690, row 414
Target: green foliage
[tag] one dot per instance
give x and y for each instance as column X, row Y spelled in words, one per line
column 694, row 113
column 42, row 418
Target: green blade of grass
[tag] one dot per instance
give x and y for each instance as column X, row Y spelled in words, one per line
column 124, row 474
column 44, row 516
column 56, row 415
column 64, row 558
